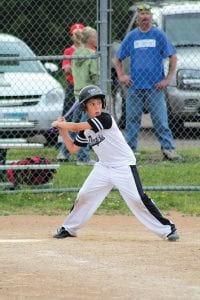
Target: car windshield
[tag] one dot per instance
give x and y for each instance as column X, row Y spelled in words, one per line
column 183, row 29
column 17, row 49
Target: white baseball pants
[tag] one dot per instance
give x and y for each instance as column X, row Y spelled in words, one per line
column 126, row 179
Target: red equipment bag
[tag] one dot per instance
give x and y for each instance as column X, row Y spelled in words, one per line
column 31, row 176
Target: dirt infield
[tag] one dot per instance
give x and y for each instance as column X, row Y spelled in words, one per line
column 114, row 257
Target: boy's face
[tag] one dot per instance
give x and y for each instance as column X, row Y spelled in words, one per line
column 94, row 107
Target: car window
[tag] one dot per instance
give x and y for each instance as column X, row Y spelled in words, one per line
column 17, row 49
column 174, row 27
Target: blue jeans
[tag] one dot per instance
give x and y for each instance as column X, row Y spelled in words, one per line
column 155, row 103
column 83, row 153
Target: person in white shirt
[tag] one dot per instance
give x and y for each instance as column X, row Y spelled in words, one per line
column 116, row 167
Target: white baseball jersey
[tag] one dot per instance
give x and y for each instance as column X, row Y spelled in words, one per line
column 107, row 142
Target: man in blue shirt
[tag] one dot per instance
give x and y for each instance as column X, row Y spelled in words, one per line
column 147, row 46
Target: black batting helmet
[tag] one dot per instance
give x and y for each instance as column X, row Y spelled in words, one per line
column 91, row 91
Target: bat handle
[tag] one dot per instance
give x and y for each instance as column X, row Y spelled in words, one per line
column 53, row 130
column 74, row 107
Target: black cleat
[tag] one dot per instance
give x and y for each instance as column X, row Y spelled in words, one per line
column 62, row 233
column 173, row 236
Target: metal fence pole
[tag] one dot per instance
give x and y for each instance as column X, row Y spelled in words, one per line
column 103, row 44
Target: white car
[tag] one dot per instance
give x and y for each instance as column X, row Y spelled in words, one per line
column 30, row 98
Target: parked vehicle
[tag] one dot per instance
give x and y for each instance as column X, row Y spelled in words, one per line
column 30, row 98
column 181, row 22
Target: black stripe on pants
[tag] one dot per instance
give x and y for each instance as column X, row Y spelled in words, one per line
column 149, row 204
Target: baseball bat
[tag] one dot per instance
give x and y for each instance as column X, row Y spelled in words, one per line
column 73, row 108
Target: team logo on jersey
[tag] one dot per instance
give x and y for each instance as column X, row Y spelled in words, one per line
column 95, row 141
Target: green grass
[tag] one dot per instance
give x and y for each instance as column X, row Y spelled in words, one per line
column 153, row 172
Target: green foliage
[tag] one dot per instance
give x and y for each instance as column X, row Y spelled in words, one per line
column 44, row 25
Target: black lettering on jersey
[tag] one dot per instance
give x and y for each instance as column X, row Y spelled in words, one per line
column 97, row 140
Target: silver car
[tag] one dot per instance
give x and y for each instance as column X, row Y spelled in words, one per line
column 30, row 98
column 181, row 22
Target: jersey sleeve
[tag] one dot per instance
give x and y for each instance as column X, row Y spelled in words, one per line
column 81, row 140
column 104, row 121
column 94, row 70
column 124, row 49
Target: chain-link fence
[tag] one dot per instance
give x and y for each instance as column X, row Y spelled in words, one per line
column 36, row 87
column 180, row 23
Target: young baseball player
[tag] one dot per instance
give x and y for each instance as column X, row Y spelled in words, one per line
column 116, row 167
